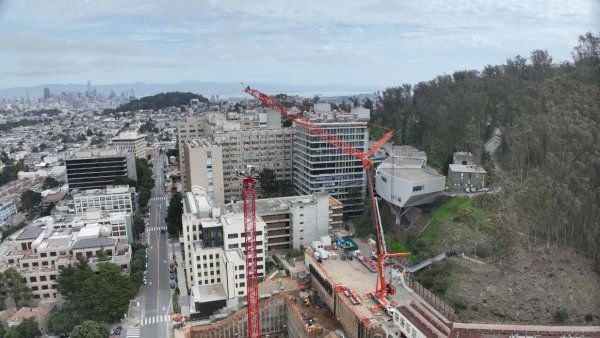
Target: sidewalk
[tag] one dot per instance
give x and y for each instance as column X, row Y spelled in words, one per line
column 181, row 279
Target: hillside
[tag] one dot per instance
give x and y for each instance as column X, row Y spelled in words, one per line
column 160, row 101
column 548, row 115
column 533, row 250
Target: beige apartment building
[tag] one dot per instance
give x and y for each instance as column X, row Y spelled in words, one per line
column 216, row 163
column 190, row 127
column 204, row 167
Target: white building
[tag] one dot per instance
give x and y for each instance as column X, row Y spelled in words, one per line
column 295, row 221
column 405, row 180
column 132, row 143
column 120, row 199
column 214, row 251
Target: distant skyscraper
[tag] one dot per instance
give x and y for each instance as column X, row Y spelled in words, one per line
column 46, row 93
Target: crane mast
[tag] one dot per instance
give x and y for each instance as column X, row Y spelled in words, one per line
column 382, row 287
column 249, row 193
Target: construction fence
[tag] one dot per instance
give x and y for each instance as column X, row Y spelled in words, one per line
column 432, row 300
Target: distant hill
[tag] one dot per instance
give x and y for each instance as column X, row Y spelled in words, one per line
column 223, row 89
column 159, row 101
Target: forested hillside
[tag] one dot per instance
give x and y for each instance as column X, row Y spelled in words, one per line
column 159, row 101
column 549, row 114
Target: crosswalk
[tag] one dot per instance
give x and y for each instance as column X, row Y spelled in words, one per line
column 155, row 319
column 160, row 198
column 156, row 228
column 134, row 332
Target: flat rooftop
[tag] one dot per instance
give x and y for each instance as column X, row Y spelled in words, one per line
column 202, row 143
column 31, row 232
column 410, row 174
column 468, row 168
column 129, row 136
column 209, row 293
column 96, row 153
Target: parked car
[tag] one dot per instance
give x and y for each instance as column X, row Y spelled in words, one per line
column 116, row 330
column 172, row 276
column 173, row 285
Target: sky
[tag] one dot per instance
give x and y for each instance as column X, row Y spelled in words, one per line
column 372, row 43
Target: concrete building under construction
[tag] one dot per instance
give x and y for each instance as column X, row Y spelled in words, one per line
column 336, row 302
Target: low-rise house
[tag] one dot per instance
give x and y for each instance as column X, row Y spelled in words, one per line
column 464, row 174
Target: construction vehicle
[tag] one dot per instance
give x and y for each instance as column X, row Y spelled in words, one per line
column 383, row 288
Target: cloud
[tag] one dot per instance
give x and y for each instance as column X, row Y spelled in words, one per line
column 378, row 42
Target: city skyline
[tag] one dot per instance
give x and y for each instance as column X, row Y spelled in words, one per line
column 379, row 43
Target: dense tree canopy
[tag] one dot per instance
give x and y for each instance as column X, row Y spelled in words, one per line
column 90, row 329
column 266, row 178
column 14, row 288
column 30, row 199
column 174, row 214
column 162, row 100
column 28, row 328
column 51, row 182
column 102, row 296
column 145, row 182
column 549, row 117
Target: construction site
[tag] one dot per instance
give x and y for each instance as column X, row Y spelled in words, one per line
column 342, row 287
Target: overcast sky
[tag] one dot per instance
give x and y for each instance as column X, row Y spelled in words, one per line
column 375, row 43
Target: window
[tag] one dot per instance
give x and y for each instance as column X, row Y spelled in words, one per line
column 42, row 278
column 33, row 279
column 232, row 246
column 418, row 188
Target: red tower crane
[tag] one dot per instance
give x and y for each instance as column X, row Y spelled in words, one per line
column 251, row 254
column 382, row 287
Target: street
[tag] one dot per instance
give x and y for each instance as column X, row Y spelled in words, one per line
column 156, row 307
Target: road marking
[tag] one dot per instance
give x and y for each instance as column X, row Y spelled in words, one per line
column 156, row 228
column 155, row 319
column 134, row 332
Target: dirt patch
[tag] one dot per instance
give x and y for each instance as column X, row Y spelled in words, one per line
column 530, row 287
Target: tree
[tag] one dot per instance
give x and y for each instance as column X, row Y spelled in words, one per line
column 368, row 103
column 174, row 215
column 173, row 152
column 138, row 226
column 28, row 328
column 30, row 200
column 266, row 178
column 13, row 287
column 102, row 296
column 124, row 180
column 51, row 182
column 61, row 322
column 90, row 329
column 89, row 132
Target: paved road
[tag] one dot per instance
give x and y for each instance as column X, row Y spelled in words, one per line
column 157, row 293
